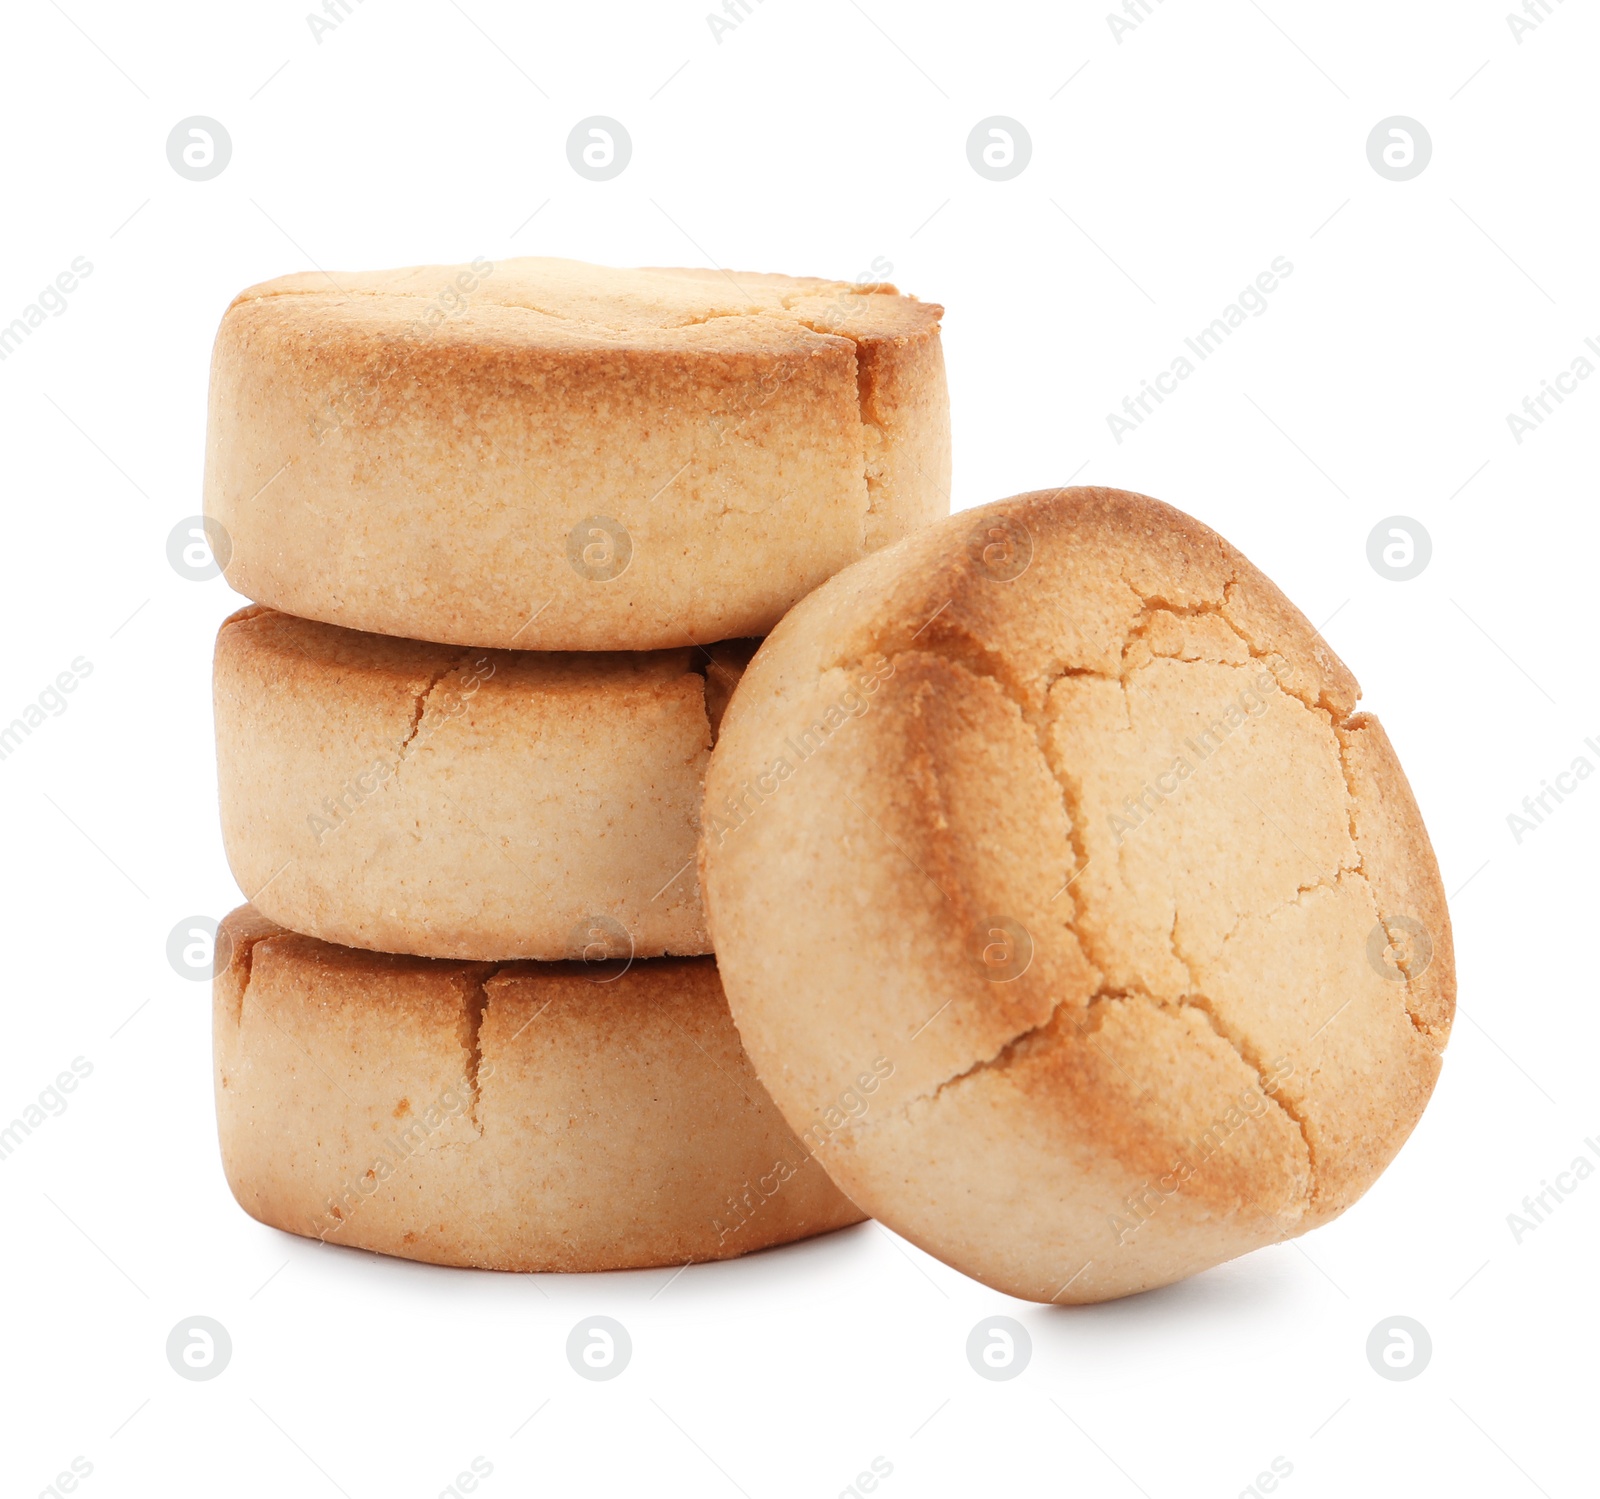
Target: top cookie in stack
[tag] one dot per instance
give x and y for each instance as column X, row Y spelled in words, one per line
column 548, row 455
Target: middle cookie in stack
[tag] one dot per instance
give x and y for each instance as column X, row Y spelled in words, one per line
column 487, row 477
column 408, row 797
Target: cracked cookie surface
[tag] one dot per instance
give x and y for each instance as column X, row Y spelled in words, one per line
column 1108, row 866
column 518, row 1116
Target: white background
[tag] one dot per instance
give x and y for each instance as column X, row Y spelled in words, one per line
column 1167, row 170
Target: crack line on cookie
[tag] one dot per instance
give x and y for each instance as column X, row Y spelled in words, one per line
column 1248, row 1052
column 1051, row 1031
column 244, row 952
column 975, row 657
column 1356, row 724
column 474, row 1005
column 422, row 700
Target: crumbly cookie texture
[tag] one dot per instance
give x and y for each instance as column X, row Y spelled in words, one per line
column 525, row 1117
column 1074, row 821
column 409, row 797
column 548, row 455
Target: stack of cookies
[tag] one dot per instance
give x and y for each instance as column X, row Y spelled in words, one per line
column 513, row 531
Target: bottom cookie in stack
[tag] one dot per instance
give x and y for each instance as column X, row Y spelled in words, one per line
column 520, row 1116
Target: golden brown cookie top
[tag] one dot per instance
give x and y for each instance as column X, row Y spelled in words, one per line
column 287, row 644
column 1069, row 581
column 570, row 304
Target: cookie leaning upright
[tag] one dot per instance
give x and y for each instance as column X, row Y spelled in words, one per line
column 555, row 456
column 1078, row 836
